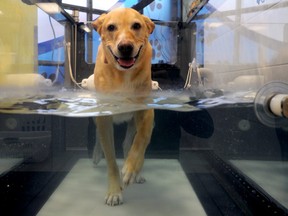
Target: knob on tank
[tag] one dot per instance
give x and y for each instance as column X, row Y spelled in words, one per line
column 271, row 104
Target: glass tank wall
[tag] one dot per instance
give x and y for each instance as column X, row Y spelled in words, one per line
column 220, row 139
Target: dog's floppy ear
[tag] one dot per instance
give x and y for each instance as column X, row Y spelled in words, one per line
column 150, row 25
column 97, row 24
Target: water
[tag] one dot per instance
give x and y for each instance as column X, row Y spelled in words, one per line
column 84, row 103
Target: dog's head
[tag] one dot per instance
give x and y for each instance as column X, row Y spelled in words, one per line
column 124, row 33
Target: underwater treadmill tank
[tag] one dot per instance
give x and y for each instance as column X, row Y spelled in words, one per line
column 220, row 93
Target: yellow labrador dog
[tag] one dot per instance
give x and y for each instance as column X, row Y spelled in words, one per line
column 123, row 65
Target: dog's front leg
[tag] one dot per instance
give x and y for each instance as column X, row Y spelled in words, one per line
column 135, row 159
column 106, row 138
column 129, row 137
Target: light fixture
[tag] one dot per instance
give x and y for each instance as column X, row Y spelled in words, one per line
column 49, row 7
column 52, row 8
column 85, row 27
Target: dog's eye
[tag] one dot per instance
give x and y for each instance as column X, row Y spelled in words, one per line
column 111, row 27
column 136, row 26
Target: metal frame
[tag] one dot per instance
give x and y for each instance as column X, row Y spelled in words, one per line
column 256, row 199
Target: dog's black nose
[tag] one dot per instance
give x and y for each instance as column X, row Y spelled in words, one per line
column 125, row 49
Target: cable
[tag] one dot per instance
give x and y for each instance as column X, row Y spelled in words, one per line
column 193, row 68
column 53, row 51
column 188, row 78
column 68, row 50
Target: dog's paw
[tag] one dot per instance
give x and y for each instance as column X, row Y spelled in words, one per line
column 130, row 172
column 97, row 158
column 140, row 179
column 114, row 199
column 128, row 177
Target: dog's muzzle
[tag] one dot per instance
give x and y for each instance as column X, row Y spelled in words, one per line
column 125, row 60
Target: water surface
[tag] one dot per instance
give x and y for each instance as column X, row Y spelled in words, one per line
column 84, row 103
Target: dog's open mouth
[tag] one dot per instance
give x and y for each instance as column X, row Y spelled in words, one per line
column 126, row 62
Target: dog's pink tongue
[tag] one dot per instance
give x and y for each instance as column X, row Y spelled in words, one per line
column 126, row 62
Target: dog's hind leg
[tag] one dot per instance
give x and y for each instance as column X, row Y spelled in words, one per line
column 97, row 152
column 130, row 133
column 106, row 137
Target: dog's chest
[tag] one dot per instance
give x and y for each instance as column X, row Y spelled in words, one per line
column 124, row 117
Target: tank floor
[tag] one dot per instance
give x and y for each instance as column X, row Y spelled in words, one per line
column 167, row 191
column 177, row 184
